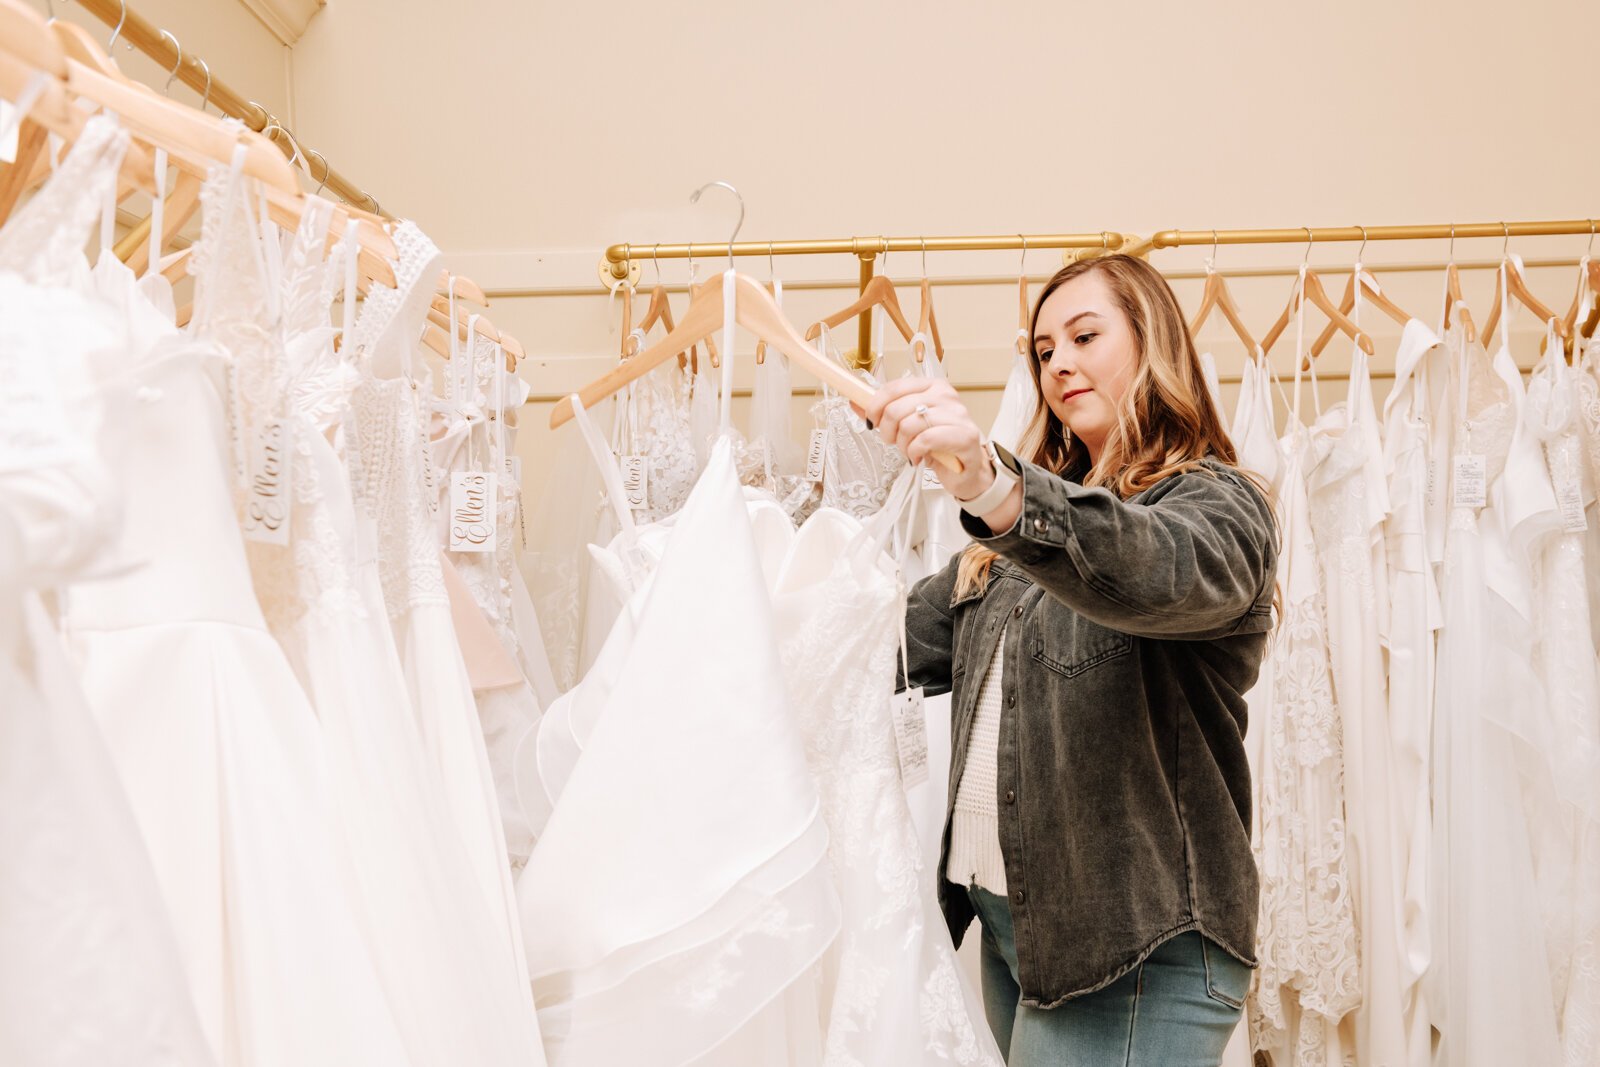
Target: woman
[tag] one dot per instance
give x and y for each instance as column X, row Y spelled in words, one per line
column 1099, row 637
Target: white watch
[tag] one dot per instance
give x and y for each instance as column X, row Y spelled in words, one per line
column 998, row 490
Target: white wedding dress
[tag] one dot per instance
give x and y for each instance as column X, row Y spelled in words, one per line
column 223, row 760
column 1489, row 982
column 90, row 970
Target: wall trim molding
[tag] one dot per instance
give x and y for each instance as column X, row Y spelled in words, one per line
column 287, row 19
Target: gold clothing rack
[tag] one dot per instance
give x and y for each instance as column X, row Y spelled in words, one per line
column 163, row 48
column 622, row 261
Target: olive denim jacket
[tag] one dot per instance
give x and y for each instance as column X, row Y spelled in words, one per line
column 1132, row 631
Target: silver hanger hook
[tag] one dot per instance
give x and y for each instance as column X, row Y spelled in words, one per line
column 326, row 170
column 205, row 97
column 117, row 32
column 772, row 270
column 1452, row 242
column 694, row 198
column 1590, row 246
column 655, row 260
column 1022, row 260
column 1311, row 239
column 924, row 259
column 166, row 90
column 1363, row 247
column 1505, row 247
column 267, row 133
column 1216, row 246
column 50, row 10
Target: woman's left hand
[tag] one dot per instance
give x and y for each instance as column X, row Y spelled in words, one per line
column 923, row 416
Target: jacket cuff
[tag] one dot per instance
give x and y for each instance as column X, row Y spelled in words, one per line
column 1041, row 529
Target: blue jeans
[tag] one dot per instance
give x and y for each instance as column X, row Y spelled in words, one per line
column 1176, row 1009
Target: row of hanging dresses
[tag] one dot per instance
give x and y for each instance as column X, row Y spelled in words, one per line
column 764, row 899
column 280, row 756
column 1424, row 743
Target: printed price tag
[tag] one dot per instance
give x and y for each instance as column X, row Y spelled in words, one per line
column 473, row 511
column 930, row 480
column 1569, row 495
column 636, row 481
column 816, row 455
column 269, row 500
column 911, row 736
column 1469, row 481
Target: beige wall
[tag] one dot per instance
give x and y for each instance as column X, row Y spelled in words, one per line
column 526, row 136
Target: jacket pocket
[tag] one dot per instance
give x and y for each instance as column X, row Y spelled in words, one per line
column 1069, row 644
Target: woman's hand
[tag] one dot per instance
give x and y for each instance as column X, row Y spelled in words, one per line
column 921, row 416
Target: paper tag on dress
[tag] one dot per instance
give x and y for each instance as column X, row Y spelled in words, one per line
column 1469, row 481
column 473, row 510
column 911, row 736
column 268, row 500
column 636, row 481
column 930, row 480
column 12, row 127
column 1433, row 481
column 1569, row 496
column 816, row 455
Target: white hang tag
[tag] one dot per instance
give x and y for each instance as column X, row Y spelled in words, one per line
column 1569, row 497
column 473, row 511
column 1433, row 481
column 930, row 480
column 636, row 481
column 269, row 489
column 816, row 455
column 911, row 736
column 1469, row 481
column 10, row 127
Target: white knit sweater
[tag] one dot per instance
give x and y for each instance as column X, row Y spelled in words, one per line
column 975, row 825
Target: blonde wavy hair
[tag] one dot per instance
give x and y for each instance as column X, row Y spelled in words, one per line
column 1166, row 421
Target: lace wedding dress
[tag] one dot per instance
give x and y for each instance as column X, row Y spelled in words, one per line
column 441, row 955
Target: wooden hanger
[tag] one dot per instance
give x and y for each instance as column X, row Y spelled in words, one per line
column 1518, row 287
column 757, row 312
column 179, row 208
column 1371, row 293
column 879, row 292
column 1453, row 299
column 659, row 310
column 927, row 321
column 438, row 340
column 28, row 48
column 1312, row 290
column 466, row 288
column 441, row 319
column 1024, row 342
column 1216, row 295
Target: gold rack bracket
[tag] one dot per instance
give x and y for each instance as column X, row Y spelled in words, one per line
column 188, row 69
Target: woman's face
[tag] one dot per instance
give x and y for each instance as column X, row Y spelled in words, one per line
column 1086, row 356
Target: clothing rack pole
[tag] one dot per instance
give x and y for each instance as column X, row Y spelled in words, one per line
column 141, row 34
column 1320, row 234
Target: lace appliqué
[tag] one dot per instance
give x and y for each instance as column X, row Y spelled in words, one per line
column 860, row 467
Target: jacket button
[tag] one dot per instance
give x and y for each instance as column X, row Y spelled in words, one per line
column 1017, row 614
column 1040, row 526
column 1017, row 897
column 1011, row 701
column 1011, row 796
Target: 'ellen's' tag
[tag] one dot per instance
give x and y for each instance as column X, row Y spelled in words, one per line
column 930, row 480
column 911, row 736
column 636, row 481
column 268, row 501
column 816, row 455
column 473, row 511
column 1469, row 481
